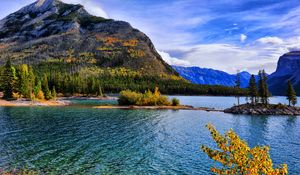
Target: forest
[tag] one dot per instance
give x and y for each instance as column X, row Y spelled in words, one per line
column 47, row 79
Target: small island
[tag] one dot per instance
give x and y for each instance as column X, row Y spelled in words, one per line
column 130, row 100
column 149, row 100
column 259, row 109
column 259, row 100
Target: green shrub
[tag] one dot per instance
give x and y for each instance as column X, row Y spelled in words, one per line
column 128, row 97
column 148, row 98
column 175, row 102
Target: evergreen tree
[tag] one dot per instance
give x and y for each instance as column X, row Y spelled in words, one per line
column 291, row 94
column 260, row 86
column 53, row 93
column 252, row 90
column 25, row 83
column 238, row 85
column 264, row 92
column 8, row 79
column 38, row 91
column 45, row 88
column 31, row 81
column 100, row 92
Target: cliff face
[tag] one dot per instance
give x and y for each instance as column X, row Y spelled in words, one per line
column 50, row 29
column 288, row 68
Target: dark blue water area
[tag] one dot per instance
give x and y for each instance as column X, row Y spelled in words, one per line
column 83, row 140
column 92, row 102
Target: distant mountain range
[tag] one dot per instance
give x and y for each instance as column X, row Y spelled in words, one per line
column 211, row 76
column 288, row 68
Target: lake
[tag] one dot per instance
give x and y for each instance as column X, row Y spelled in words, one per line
column 82, row 140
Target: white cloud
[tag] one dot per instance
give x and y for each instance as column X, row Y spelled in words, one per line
column 243, row 38
column 294, row 44
column 90, row 6
column 173, row 61
column 189, row 21
column 270, row 40
column 229, row 57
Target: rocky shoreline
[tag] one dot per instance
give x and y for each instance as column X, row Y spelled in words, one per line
column 259, row 109
column 182, row 107
column 24, row 102
column 88, row 98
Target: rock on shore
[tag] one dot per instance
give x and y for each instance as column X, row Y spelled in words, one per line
column 24, row 102
column 259, row 109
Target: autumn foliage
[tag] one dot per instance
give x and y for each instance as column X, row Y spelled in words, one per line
column 237, row 157
column 113, row 45
column 148, row 98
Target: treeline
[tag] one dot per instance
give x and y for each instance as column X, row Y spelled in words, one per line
column 44, row 80
column 89, row 80
column 259, row 93
column 21, row 82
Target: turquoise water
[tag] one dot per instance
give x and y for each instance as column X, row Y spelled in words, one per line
column 82, row 140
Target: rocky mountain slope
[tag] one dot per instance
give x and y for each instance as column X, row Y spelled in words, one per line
column 199, row 75
column 288, row 68
column 52, row 31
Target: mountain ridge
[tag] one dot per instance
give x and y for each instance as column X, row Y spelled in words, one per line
column 288, row 68
column 51, row 29
column 212, row 76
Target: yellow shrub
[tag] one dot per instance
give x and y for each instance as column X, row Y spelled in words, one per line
column 146, row 99
column 237, row 157
column 17, row 95
column 40, row 95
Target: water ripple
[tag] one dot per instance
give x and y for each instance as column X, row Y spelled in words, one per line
column 77, row 140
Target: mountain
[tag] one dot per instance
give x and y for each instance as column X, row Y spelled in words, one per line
column 50, row 30
column 288, row 68
column 211, row 77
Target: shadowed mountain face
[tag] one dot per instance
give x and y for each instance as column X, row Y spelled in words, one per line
column 288, row 68
column 199, row 75
column 51, row 29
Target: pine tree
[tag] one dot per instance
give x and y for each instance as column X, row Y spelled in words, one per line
column 267, row 93
column 8, row 79
column 264, row 92
column 238, row 85
column 100, row 92
column 23, row 81
column 252, row 89
column 39, row 94
column 260, row 87
column 45, row 88
column 53, row 93
column 291, row 94
column 31, row 82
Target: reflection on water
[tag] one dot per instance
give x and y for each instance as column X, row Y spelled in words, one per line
column 78, row 140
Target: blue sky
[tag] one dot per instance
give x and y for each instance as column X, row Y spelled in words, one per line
column 228, row 35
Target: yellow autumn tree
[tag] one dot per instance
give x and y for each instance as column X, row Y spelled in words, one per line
column 237, row 157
